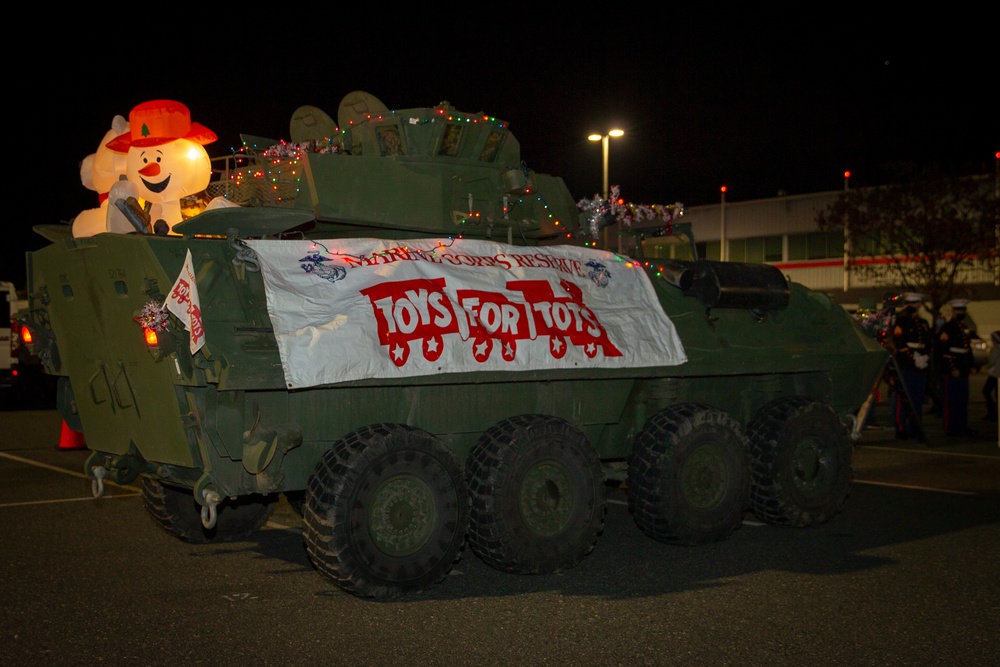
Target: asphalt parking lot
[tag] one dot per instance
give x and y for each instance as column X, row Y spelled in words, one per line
column 904, row 575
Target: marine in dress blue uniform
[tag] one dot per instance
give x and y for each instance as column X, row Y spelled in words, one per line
column 912, row 348
column 954, row 357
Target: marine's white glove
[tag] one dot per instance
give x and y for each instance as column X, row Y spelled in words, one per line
column 920, row 360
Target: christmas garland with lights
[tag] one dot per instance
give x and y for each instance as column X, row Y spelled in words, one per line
column 603, row 212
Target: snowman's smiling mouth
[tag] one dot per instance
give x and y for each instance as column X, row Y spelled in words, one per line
column 156, row 187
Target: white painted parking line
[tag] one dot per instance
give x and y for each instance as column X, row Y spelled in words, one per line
column 74, row 473
column 67, row 500
column 933, row 452
column 917, row 488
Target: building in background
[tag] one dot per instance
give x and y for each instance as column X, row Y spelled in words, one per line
column 782, row 231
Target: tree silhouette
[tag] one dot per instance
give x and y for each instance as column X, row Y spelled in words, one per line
column 921, row 235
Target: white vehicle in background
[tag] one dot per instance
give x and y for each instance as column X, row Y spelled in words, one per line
column 24, row 384
column 8, row 361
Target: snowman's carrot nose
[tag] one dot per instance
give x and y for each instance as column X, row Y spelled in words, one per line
column 151, row 169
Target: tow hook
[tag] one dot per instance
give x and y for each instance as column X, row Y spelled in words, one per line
column 208, row 511
column 97, row 484
column 855, row 427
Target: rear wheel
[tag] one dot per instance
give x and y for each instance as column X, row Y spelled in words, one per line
column 537, row 495
column 801, row 455
column 386, row 511
column 177, row 512
column 687, row 477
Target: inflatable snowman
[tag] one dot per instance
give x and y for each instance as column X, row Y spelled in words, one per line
column 166, row 160
column 99, row 171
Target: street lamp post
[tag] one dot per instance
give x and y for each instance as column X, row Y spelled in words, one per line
column 723, row 241
column 605, row 140
column 996, row 229
column 847, row 241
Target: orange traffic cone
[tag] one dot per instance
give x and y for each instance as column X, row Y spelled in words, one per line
column 70, row 439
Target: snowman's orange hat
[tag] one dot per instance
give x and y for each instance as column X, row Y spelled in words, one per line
column 159, row 122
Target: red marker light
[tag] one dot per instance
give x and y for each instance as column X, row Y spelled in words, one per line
column 150, row 336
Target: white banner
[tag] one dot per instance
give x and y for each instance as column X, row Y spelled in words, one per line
column 183, row 302
column 349, row 309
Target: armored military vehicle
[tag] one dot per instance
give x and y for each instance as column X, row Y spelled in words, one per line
column 397, row 327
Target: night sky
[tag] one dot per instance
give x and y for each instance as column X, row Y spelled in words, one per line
column 762, row 103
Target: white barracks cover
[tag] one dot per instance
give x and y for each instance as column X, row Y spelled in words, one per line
column 350, row 309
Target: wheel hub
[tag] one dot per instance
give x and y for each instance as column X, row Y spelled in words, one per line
column 704, row 478
column 810, row 464
column 546, row 501
column 402, row 515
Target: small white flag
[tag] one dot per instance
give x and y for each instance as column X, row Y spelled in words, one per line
column 184, row 303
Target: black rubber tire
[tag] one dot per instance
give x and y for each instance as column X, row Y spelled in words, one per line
column 177, row 512
column 688, row 478
column 537, row 495
column 800, row 453
column 386, row 511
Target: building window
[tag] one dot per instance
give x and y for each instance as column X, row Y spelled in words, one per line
column 708, row 249
column 757, row 249
column 668, row 247
column 738, row 250
column 773, row 248
column 869, row 245
column 816, row 245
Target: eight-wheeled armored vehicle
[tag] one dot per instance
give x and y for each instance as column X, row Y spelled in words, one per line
column 391, row 329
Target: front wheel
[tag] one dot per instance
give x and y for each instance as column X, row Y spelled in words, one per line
column 687, row 477
column 386, row 511
column 537, row 495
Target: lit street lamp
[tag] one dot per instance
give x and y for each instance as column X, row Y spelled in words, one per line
column 605, row 141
